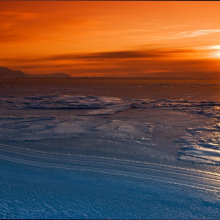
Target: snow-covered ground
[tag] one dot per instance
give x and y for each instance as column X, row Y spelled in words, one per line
column 86, row 156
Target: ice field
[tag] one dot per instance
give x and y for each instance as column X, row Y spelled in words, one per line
column 74, row 155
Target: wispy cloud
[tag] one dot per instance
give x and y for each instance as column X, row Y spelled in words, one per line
column 132, row 62
column 187, row 34
column 196, row 33
column 212, row 47
column 126, row 55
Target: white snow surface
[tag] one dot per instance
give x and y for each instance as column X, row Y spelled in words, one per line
column 199, row 144
column 98, row 163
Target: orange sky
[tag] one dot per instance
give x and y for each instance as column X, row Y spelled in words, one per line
column 107, row 38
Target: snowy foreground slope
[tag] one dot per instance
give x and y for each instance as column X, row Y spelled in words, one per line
column 86, row 156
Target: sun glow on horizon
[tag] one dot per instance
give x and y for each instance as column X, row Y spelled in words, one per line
column 104, row 38
column 215, row 54
column 218, row 54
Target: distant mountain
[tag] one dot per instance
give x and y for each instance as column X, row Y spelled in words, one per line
column 7, row 73
column 51, row 75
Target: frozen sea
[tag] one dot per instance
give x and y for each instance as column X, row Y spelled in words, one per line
column 109, row 148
